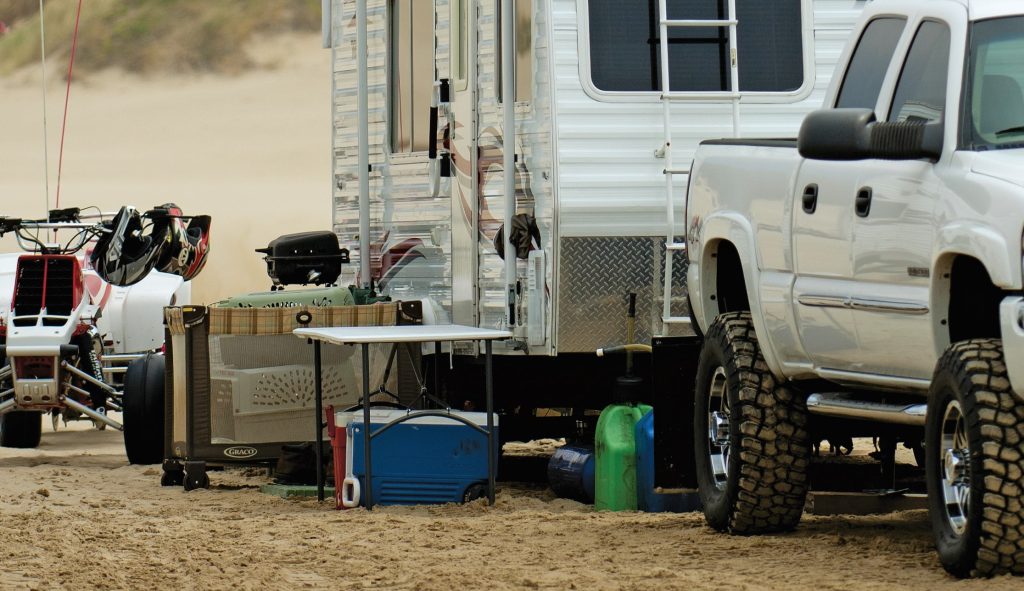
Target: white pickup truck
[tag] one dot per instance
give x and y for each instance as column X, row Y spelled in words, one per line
column 866, row 279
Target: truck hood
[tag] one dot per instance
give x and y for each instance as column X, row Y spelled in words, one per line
column 1004, row 165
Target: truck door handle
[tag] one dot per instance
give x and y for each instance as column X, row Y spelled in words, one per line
column 863, row 203
column 810, row 198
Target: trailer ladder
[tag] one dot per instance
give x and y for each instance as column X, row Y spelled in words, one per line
column 667, row 98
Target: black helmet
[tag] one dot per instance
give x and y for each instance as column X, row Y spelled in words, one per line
column 124, row 256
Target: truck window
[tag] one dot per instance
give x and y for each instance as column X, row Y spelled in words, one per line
column 869, row 63
column 625, row 53
column 993, row 110
column 921, row 91
column 411, row 73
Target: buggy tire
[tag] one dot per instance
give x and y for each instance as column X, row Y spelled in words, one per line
column 975, row 462
column 144, row 410
column 751, row 442
column 21, row 429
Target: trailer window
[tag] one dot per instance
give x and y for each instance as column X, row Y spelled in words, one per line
column 870, row 62
column 625, row 52
column 412, row 73
column 524, row 51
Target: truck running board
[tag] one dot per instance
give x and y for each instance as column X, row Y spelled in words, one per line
column 844, row 405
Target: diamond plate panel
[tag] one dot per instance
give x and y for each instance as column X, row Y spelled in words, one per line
column 596, row 274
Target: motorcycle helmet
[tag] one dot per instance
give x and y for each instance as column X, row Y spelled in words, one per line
column 125, row 255
column 185, row 248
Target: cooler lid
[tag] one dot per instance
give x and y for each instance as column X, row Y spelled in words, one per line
column 380, row 416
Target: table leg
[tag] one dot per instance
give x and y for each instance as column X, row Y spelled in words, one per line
column 489, row 389
column 437, row 372
column 319, row 400
column 366, row 426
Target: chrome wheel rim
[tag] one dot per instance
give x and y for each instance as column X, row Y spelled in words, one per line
column 955, row 468
column 718, row 427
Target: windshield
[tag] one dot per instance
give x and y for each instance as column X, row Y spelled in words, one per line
column 994, row 102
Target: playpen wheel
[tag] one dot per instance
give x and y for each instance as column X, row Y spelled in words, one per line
column 199, row 480
column 172, row 478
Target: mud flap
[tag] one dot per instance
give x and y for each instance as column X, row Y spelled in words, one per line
column 674, row 369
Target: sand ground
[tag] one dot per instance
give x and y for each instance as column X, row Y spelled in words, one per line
column 75, row 515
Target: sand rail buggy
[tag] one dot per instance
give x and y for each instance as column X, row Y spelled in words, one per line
column 52, row 342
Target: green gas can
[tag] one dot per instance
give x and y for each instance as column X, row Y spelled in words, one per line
column 615, row 451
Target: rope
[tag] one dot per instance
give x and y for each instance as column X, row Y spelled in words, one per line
column 67, row 95
column 46, row 152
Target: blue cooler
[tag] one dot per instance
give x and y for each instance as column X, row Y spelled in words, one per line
column 420, row 461
column 647, row 497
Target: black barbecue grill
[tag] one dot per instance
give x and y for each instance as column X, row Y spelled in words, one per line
column 306, row 258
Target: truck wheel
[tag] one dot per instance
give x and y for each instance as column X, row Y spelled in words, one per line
column 750, row 435
column 21, row 429
column 144, row 410
column 975, row 462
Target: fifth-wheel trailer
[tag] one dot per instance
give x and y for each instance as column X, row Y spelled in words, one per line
column 602, row 150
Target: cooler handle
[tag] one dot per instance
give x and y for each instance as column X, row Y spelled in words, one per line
column 350, row 492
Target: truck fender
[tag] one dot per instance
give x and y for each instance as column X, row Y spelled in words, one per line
column 734, row 228
column 983, row 243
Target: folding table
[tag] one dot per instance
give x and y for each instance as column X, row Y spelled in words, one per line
column 367, row 335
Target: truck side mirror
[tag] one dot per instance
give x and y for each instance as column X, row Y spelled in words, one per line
column 853, row 134
column 906, row 140
column 836, row 134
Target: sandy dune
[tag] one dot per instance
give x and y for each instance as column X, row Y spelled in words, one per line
column 253, row 151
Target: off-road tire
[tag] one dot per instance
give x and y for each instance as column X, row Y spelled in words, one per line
column 21, row 429
column 144, row 410
column 766, row 477
column 973, row 374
